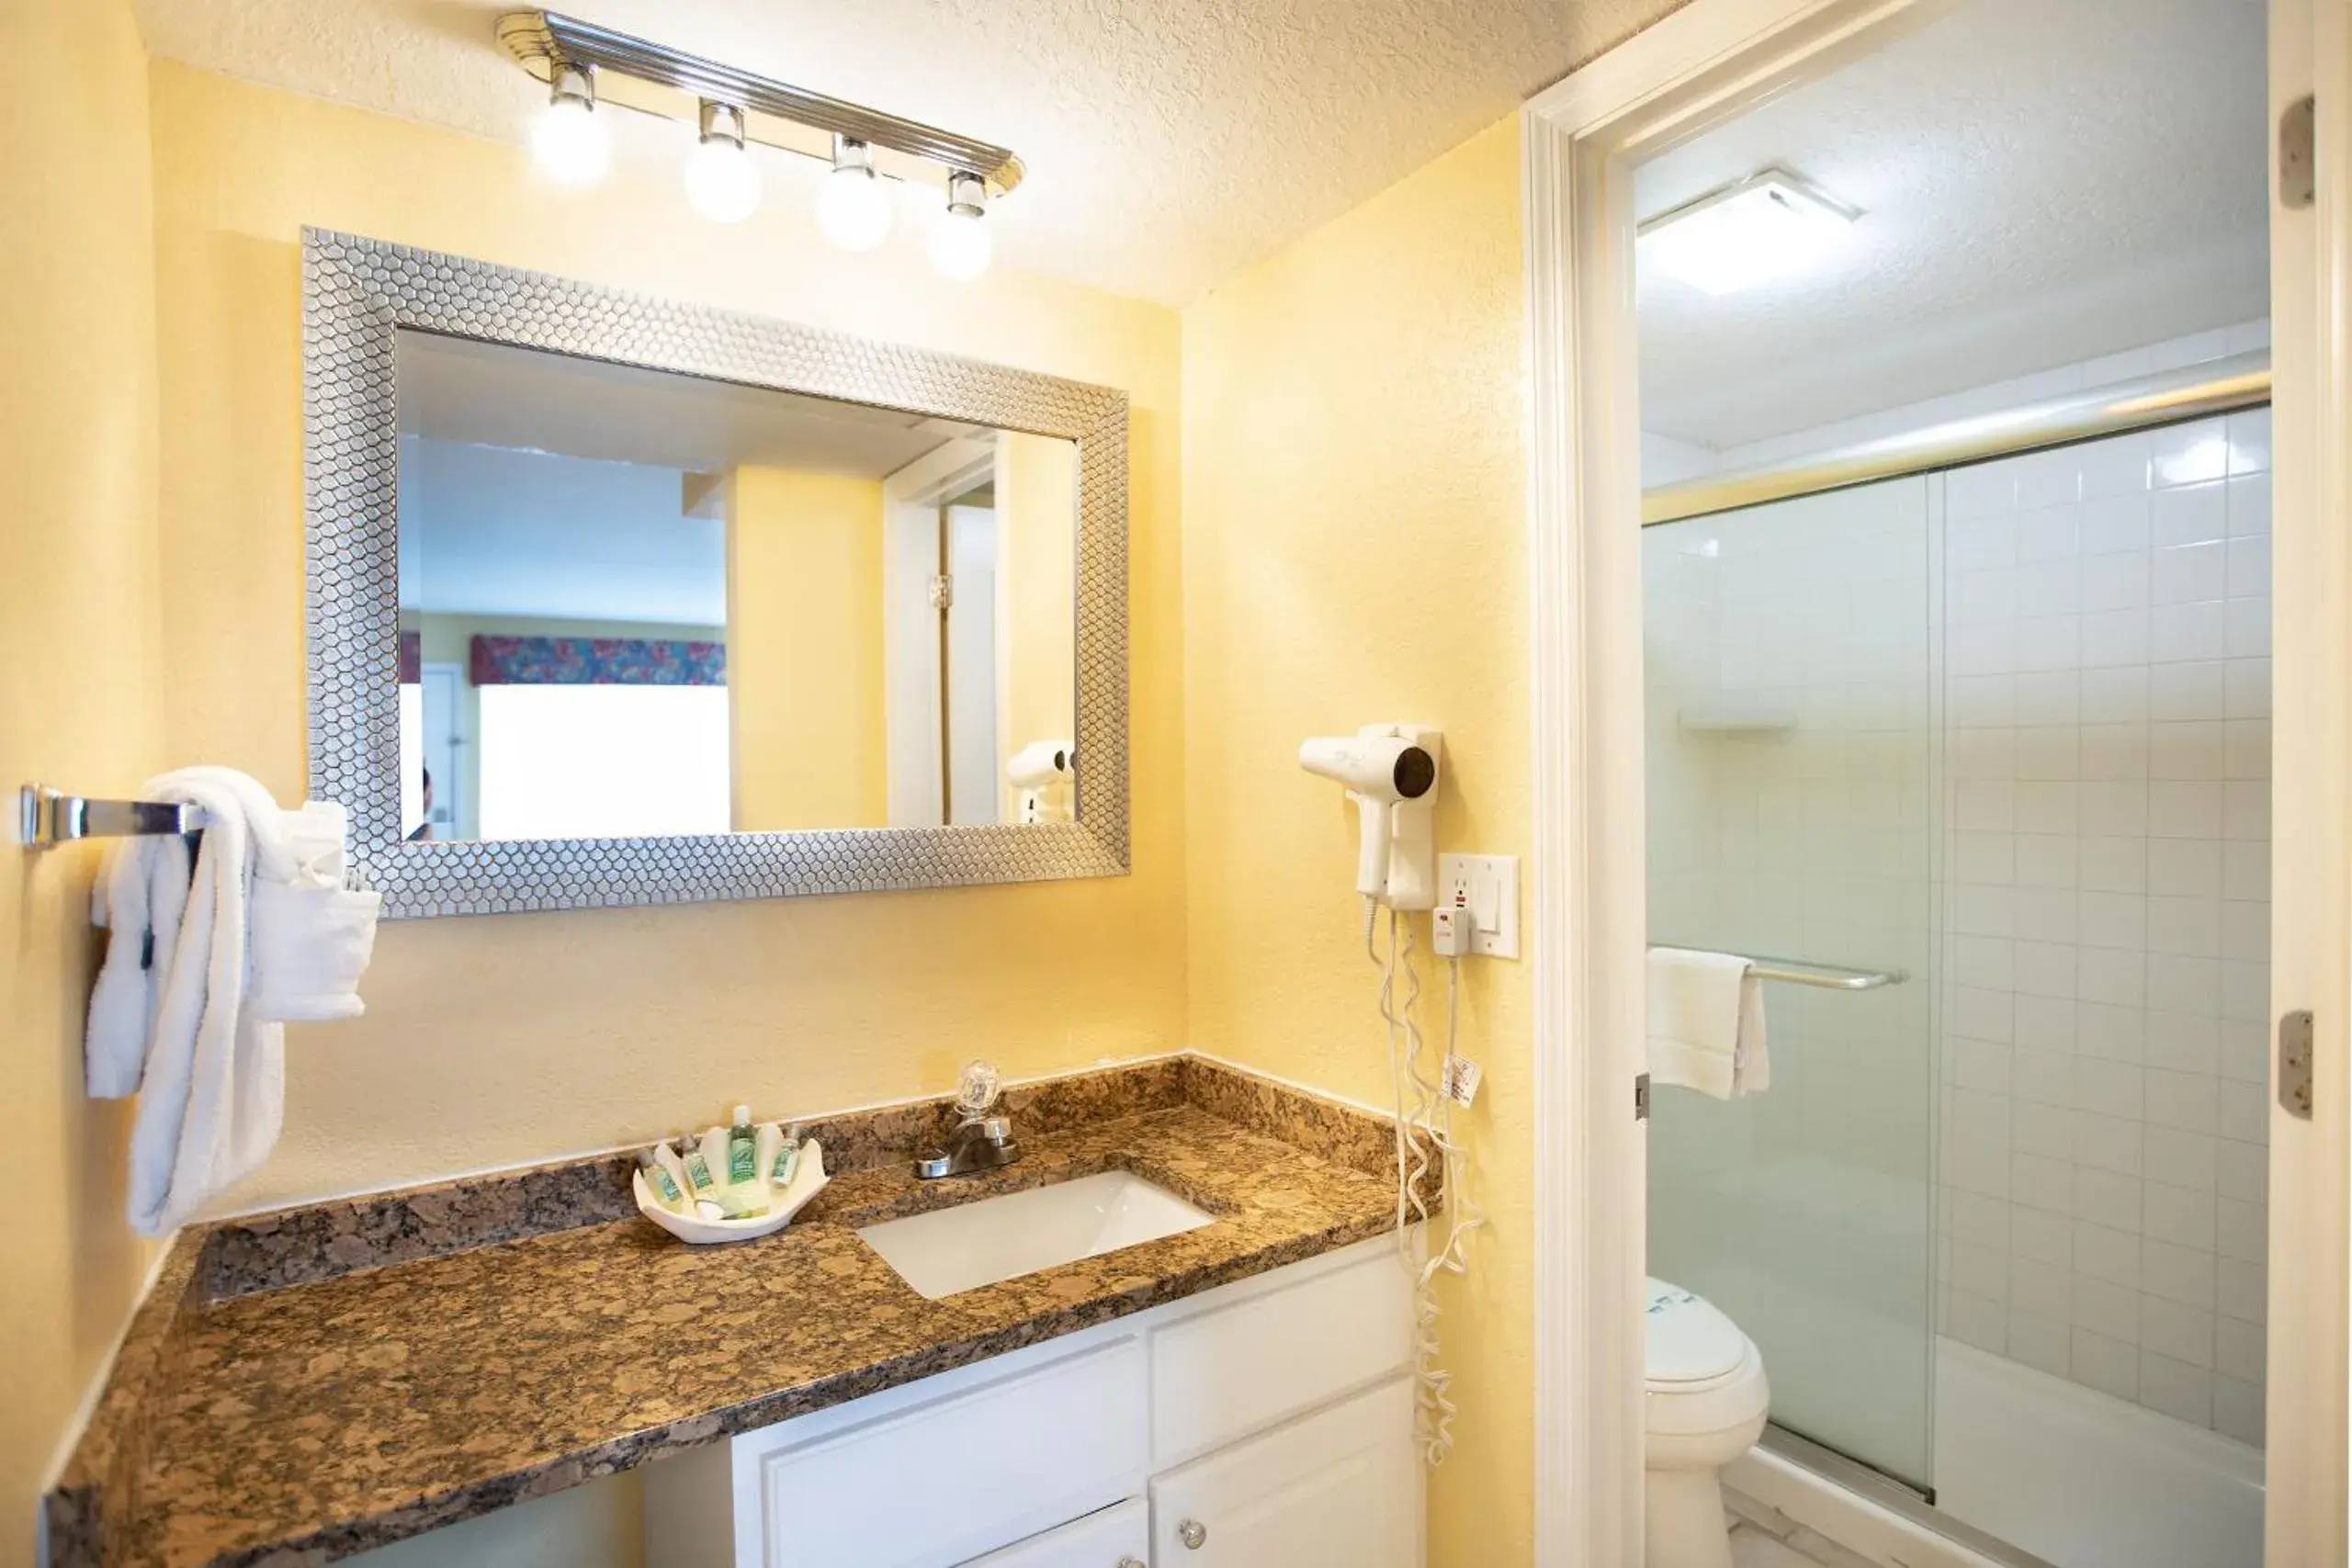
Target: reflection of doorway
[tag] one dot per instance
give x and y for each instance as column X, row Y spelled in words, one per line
column 439, row 750
column 968, row 633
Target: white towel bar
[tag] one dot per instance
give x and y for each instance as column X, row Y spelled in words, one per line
column 1804, row 972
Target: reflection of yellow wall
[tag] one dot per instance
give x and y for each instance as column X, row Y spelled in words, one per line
column 1036, row 520
column 79, row 707
column 804, row 671
column 448, row 639
column 1354, row 552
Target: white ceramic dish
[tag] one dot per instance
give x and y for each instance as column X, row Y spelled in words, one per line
column 807, row 1182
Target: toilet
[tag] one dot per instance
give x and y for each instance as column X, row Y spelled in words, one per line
column 1702, row 1406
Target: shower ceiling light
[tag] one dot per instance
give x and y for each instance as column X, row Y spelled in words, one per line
column 722, row 183
column 590, row 70
column 1767, row 227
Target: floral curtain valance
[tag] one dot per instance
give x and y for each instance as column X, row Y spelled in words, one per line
column 596, row 662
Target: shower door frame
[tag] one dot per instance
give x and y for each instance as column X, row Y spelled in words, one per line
column 1698, row 67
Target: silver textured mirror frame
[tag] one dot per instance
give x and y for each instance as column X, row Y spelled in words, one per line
column 358, row 292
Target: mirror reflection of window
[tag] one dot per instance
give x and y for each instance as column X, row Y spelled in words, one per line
column 637, row 604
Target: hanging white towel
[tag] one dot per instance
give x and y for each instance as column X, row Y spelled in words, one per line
column 211, row 959
column 1706, row 1023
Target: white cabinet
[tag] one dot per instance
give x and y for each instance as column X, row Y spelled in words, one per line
column 1116, row 1537
column 1341, row 1486
column 1275, row 1413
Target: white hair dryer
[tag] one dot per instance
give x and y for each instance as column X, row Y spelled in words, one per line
column 1391, row 773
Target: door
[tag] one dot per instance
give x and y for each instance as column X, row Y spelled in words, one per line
column 1791, row 756
column 1116, row 1537
column 1344, row 1486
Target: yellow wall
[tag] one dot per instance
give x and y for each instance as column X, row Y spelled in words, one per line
column 804, row 650
column 79, row 703
column 1354, row 552
column 1036, row 520
column 517, row 1037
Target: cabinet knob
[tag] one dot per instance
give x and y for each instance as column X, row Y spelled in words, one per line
column 1193, row 1533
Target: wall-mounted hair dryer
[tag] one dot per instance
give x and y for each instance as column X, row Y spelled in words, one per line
column 1391, row 773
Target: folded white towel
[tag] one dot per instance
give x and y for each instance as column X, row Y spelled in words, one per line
column 1706, row 1023
column 203, row 963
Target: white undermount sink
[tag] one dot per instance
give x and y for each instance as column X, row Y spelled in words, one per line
column 948, row 1250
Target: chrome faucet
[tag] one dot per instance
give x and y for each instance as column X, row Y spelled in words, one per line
column 980, row 1141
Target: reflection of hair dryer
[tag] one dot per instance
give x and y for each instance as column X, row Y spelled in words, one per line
column 1390, row 771
column 1041, row 771
column 1039, row 764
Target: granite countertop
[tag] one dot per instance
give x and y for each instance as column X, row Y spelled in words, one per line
column 308, row 1385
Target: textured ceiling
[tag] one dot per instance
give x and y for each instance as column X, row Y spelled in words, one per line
column 2042, row 181
column 1168, row 141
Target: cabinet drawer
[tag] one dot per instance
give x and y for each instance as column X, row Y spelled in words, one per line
column 1341, row 1486
column 1242, row 1367
column 943, row 1482
column 1118, row 1537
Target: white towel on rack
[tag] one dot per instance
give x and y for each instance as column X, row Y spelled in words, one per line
column 1706, row 1023
column 261, row 930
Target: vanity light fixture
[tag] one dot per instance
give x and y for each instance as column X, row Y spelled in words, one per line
column 722, row 183
column 573, row 144
column 853, row 206
column 959, row 242
column 589, row 70
column 1769, row 226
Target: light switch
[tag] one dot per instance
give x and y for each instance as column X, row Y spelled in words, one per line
column 1487, row 886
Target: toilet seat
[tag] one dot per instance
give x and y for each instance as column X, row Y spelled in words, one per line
column 1703, row 1375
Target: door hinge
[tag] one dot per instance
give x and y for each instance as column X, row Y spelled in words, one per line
column 2298, row 179
column 1642, row 1098
column 2295, row 1063
column 942, row 592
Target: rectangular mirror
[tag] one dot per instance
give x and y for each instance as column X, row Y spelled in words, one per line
column 619, row 601
column 635, row 603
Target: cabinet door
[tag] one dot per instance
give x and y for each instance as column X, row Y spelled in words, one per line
column 1340, row 1487
column 1116, row 1537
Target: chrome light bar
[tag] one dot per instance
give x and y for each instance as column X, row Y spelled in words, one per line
column 547, row 42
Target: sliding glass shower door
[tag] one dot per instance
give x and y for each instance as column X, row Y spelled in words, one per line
column 1792, row 815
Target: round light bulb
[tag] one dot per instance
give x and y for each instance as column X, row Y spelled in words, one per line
column 722, row 183
column 960, row 247
column 571, row 143
column 853, row 209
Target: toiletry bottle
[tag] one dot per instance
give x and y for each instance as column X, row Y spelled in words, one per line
column 660, row 1183
column 666, row 1156
column 745, row 1196
column 770, row 1144
column 699, row 1181
column 787, row 1163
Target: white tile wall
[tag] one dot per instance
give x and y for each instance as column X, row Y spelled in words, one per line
column 2106, row 884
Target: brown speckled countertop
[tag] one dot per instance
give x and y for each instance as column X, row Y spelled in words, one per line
column 308, row 1385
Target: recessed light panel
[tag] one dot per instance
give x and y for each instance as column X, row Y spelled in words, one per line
column 1767, row 228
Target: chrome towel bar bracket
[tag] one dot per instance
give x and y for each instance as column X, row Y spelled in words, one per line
column 47, row 818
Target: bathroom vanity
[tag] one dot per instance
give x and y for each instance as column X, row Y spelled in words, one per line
column 305, row 1385
column 1264, row 1424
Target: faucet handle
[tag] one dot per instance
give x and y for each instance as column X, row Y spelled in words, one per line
column 980, row 1089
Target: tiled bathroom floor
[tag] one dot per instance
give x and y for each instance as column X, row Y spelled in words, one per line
column 1762, row 1537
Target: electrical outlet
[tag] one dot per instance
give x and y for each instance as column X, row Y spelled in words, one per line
column 1488, row 887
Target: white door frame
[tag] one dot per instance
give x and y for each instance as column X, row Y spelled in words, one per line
column 1695, row 68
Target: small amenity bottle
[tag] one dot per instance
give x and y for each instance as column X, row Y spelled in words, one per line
column 699, row 1181
column 745, row 1196
column 662, row 1184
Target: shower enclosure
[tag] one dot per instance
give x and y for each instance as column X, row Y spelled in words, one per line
column 1978, row 757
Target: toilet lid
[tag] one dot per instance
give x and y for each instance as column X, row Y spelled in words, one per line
column 1690, row 1341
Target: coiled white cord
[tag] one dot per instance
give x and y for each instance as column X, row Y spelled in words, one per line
column 1424, row 1121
